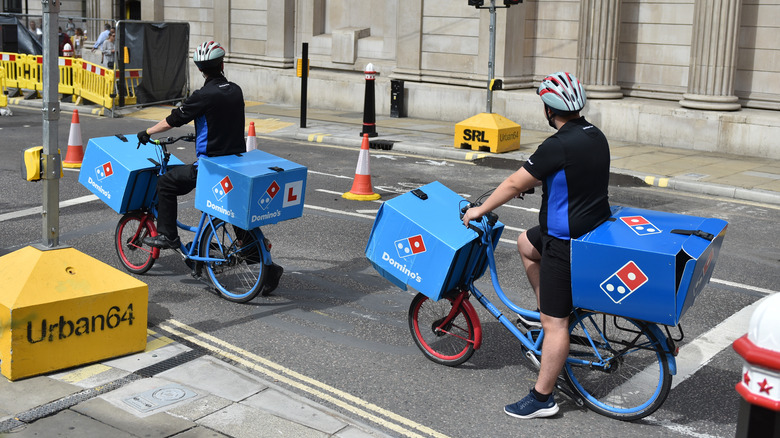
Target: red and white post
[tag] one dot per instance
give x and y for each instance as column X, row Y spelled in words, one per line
column 369, row 104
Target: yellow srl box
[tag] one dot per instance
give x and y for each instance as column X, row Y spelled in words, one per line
column 487, row 132
column 60, row 308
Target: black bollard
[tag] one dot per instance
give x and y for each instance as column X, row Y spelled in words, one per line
column 369, row 110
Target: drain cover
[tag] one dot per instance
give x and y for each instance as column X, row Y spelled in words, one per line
column 159, row 397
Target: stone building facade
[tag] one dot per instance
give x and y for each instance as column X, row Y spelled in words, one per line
column 700, row 74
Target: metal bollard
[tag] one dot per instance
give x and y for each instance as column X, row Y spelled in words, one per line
column 759, row 410
column 369, row 106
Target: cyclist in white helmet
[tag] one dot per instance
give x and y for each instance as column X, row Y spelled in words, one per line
column 572, row 166
column 217, row 109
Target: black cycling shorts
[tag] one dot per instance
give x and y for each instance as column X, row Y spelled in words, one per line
column 555, row 273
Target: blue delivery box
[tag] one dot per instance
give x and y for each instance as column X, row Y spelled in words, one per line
column 420, row 241
column 645, row 264
column 121, row 173
column 250, row 189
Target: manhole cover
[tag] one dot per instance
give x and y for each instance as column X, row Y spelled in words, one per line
column 159, row 397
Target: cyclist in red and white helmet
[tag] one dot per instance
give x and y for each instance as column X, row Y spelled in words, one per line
column 572, row 166
column 562, row 94
column 217, row 109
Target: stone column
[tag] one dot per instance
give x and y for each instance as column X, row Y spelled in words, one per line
column 409, row 42
column 713, row 56
column 598, row 47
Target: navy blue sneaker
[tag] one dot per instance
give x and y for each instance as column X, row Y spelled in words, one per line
column 530, row 407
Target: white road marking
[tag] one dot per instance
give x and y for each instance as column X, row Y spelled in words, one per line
column 39, row 210
column 329, row 174
column 744, row 286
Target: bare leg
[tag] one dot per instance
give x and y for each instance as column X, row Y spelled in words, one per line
column 555, row 350
column 531, row 261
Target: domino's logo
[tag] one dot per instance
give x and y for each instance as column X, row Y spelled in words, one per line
column 222, row 188
column 269, row 195
column 104, row 171
column 640, row 225
column 410, row 246
column 624, row 282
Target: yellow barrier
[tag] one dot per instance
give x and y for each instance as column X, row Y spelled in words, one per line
column 96, row 84
column 3, row 97
column 11, row 63
column 77, row 77
column 67, row 73
column 34, row 73
column 132, row 79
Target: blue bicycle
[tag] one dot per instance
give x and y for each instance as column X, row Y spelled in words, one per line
column 237, row 262
column 618, row 367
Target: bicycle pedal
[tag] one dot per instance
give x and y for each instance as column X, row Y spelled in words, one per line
column 533, row 359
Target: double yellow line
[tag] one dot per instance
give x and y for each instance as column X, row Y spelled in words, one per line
column 369, row 411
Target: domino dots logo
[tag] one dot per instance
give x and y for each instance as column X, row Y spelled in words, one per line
column 624, row 282
column 269, row 195
column 640, row 225
column 104, row 171
column 410, row 246
column 222, row 188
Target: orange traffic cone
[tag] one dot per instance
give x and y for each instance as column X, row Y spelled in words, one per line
column 362, row 190
column 75, row 149
column 251, row 139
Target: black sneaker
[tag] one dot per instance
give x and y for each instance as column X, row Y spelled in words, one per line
column 163, row 242
column 271, row 280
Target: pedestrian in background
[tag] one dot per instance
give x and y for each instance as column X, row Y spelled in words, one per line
column 109, row 51
column 102, row 37
column 78, row 42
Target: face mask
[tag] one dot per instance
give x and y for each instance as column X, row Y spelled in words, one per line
column 550, row 117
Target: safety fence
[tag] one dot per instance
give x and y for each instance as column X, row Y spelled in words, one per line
column 3, row 96
column 79, row 78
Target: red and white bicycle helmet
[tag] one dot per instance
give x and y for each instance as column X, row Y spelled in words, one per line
column 208, row 55
column 562, row 92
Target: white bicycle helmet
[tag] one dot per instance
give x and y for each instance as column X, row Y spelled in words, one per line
column 208, row 55
column 562, row 92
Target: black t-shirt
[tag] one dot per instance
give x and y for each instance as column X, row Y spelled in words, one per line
column 218, row 111
column 573, row 165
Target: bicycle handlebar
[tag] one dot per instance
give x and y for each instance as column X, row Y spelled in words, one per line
column 170, row 140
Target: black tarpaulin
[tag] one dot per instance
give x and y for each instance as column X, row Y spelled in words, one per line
column 27, row 42
column 161, row 51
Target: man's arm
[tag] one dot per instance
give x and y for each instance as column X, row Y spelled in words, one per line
column 515, row 184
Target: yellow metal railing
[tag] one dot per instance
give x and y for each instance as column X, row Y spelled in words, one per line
column 77, row 77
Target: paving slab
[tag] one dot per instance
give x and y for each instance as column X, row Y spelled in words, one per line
column 25, row 394
column 242, row 421
column 117, row 397
column 69, row 424
column 216, row 377
column 199, row 409
column 160, row 424
column 285, row 406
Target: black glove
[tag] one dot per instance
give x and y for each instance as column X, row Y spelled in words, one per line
column 143, row 137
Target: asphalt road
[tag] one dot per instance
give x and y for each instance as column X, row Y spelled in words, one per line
column 337, row 332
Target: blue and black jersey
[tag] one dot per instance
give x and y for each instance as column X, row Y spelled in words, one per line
column 218, row 111
column 573, row 165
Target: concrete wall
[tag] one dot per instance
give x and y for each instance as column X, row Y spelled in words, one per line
column 440, row 49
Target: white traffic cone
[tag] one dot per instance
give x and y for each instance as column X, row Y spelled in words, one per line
column 251, row 138
column 362, row 190
column 75, row 149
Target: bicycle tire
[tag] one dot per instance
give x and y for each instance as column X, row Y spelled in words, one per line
column 450, row 348
column 128, row 242
column 637, row 380
column 238, row 275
